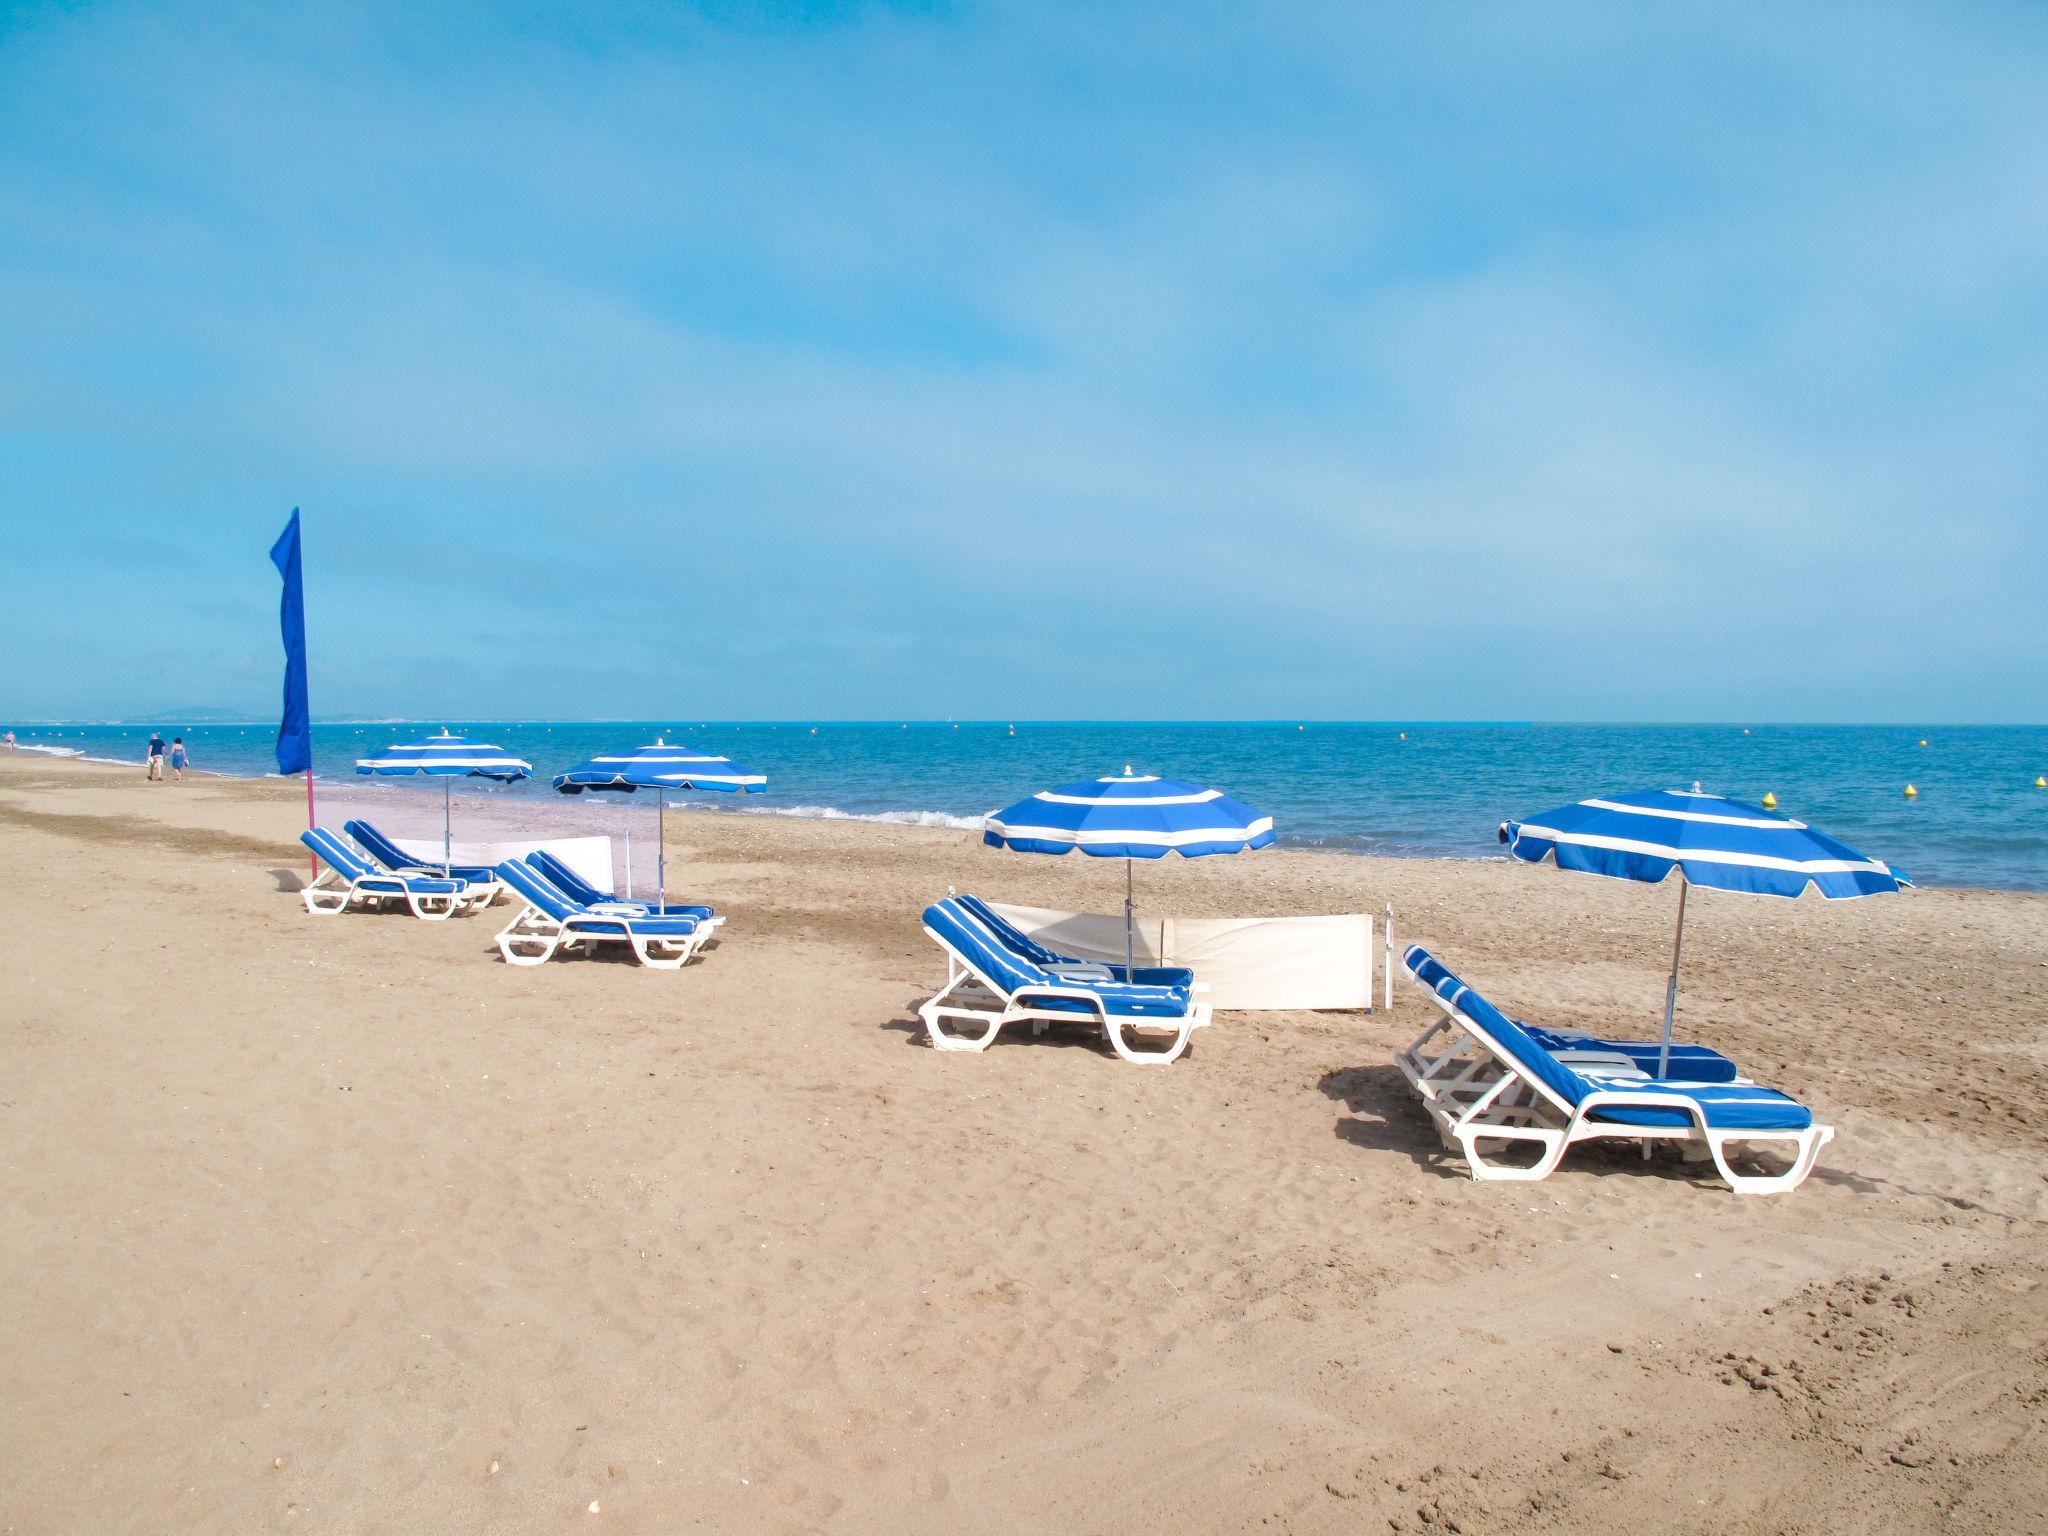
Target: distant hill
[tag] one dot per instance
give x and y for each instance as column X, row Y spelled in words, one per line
column 189, row 714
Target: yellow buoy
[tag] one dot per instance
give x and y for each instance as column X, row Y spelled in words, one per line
column 1404, row 735
column 1770, row 801
column 1745, row 730
column 1923, row 741
column 1301, row 727
column 2041, row 781
column 1912, row 793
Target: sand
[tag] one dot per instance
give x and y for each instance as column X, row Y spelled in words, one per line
column 343, row 1225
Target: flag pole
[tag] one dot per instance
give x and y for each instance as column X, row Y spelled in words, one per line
column 310, row 822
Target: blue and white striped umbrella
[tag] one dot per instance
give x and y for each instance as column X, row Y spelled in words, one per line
column 1129, row 816
column 1709, row 840
column 448, row 757
column 660, row 766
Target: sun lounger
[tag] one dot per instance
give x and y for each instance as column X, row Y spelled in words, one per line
column 1492, row 1084
column 1026, row 948
column 551, row 922
column 1689, row 1063
column 577, row 889
column 349, row 879
column 399, row 862
column 989, row 985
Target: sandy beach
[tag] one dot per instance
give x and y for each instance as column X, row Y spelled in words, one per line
column 344, row 1225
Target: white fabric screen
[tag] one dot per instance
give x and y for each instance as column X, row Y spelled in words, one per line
column 1249, row 962
column 590, row 857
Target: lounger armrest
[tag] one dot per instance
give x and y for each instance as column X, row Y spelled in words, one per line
column 1611, row 1098
column 1083, row 994
column 1069, row 970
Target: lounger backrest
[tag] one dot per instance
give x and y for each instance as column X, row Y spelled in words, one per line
column 565, row 879
column 529, row 882
column 332, row 850
column 1008, row 933
column 974, row 943
column 1512, row 1038
column 1424, row 966
column 380, row 847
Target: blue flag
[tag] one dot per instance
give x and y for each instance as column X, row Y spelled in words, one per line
column 295, row 730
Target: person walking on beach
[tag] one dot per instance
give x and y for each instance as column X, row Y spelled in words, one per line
column 177, row 759
column 10, row 741
column 156, row 756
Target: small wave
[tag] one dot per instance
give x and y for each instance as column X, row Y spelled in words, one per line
column 886, row 818
column 78, row 755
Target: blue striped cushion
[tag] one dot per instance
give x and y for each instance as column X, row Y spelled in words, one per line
column 573, row 885
column 524, row 879
column 674, row 926
column 393, row 857
column 1688, row 1063
column 1729, row 1106
column 1531, row 1057
column 419, row 885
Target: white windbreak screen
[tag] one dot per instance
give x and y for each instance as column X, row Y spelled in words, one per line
column 1249, row 962
column 590, row 857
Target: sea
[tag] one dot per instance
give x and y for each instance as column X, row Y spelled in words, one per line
column 1393, row 788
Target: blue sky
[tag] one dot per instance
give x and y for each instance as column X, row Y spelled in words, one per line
column 1034, row 361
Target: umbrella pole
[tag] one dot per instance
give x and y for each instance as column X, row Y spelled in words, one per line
column 447, row 859
column 661, row 851
column 1130, row 919
column 1671, row 986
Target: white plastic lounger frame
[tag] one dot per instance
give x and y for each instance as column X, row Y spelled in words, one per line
column 345, row 879
column 974, row 999
column 535, row 936
column 1477, row 1093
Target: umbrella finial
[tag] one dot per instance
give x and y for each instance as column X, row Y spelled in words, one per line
column 1696, row 787
column 1127, row 770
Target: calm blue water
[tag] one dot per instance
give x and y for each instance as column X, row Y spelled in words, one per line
column 1442, row 790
